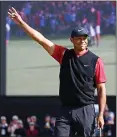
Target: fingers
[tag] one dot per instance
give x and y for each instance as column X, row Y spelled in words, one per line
column 12, row 13
column 14, row 10
column 100, row 125
column 100, row 122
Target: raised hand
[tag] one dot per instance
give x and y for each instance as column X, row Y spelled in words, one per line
column 13, row 14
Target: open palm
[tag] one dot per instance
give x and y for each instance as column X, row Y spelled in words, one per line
column 13, row 14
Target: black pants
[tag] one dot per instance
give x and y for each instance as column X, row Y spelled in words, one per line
column 78, row 122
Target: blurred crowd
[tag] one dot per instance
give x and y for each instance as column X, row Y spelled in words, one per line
column 27, row 128
column 59, row 17
column 109, row 126
column 31, row 127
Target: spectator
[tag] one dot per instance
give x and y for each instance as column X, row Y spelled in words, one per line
column 20, row 131
column 47, row 126
column 52, row 125
column 63, row 15
column 47, row 121
column 13, row 126
column 8, row 24
column 34, row 119
column 109, row 118
column 94, row 20
column 32, row 131
column 3, row 126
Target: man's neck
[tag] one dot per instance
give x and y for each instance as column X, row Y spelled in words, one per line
column 80, row 52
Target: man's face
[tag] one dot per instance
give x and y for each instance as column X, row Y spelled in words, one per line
column 47, row 119
column 3, row 121
column 80, row 43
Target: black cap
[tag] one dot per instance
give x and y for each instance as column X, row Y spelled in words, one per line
column 79, row 31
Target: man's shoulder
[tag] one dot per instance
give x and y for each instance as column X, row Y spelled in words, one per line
column 93, row 54
column 67, row 50
column 68, row 53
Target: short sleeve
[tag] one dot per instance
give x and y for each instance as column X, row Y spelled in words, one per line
column 58, row 53
column 100, row 75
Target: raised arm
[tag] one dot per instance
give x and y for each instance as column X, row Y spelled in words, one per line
column 35, row 35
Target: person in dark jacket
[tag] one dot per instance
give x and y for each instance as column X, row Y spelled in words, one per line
column 3, row 127
column 81, row 72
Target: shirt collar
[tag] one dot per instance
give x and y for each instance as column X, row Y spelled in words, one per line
column 81, row 53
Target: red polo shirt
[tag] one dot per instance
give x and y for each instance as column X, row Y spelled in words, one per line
column 100, row 76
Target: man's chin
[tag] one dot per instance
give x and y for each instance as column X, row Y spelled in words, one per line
column 83, row 47
column 80, row 48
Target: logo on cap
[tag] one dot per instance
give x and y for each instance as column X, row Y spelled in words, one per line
column 80, row 30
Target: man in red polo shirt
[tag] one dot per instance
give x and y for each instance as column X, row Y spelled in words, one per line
column 94, row 19
column 81, row 72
